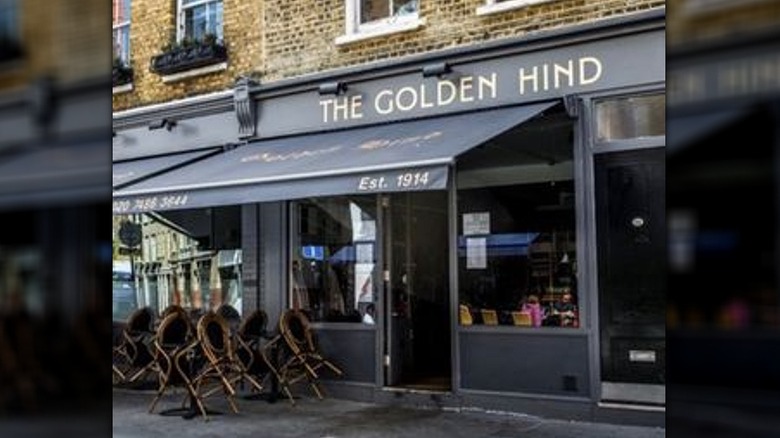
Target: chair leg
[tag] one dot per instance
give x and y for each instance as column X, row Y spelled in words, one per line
column 255, row 384
column 193, row 392
column 160, row 391
column 118, row 374
column 333, row 368
column 314, row 386
column 142, row 372
column 230, row 400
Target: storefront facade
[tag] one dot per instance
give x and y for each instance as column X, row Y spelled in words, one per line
column 721, row 89
column 479, row 227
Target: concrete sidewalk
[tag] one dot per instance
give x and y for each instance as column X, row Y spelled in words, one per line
column 332, row 418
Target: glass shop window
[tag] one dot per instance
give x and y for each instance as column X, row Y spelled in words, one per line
column 517, row 259
column 201, row 273
column 334, row 257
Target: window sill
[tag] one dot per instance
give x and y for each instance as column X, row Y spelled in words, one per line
column 380, row 31
column 121, row 89
column 497, row 8
column 194, row 72
column 523, row 330
column 339, row 326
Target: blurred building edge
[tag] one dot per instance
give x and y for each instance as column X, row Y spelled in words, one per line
column 55, row 113
column 723, row 117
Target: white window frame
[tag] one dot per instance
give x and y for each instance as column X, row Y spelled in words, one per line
column 357, row 31
column 181, row 9
column 118, row 26
column 495, row 7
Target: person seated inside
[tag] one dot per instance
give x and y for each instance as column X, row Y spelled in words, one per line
column 368, row 317
column 566, row 309
column 532, row 306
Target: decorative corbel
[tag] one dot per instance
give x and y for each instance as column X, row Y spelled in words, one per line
column 246, row 110
column 571, row 103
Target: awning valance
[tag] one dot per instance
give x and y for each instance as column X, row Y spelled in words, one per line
column 127, row 172
column 403, row 156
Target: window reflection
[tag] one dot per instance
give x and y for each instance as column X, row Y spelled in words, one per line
column 333, row 260
column 517, row 259
column 191, row 258
column 203, row 19
column 375, row 10
column 517, row 265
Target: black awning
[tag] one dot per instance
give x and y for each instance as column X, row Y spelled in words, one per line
column 128, row 172
column 402, row 156
column 58, row 174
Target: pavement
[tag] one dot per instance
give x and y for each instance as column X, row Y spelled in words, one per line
column 335, row 418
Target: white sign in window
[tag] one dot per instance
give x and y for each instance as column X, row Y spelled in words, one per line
column 476, row 223
column 476, row 253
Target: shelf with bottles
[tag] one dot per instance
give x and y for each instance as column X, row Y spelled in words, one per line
column 552, row 263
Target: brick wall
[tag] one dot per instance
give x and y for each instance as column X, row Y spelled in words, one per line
column 300, row 34
column 60, row 41
column 738, row 18
column 36, row 45
column 78, row 40
column 152, row 24
column 286, row 38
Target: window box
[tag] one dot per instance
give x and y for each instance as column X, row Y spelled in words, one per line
column 10, row 50
column 188, row 56
column 121, row 73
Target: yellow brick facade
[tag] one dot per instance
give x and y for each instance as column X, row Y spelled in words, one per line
column 60, row 41
column 279, row 39
column 152, row 25
column 688, row 25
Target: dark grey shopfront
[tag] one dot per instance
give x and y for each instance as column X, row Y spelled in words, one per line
column 438, row 188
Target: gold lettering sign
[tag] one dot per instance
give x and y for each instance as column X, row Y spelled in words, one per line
column 464, row 90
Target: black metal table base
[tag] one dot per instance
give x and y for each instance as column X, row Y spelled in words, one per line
column 270, row 397
column 188, row 412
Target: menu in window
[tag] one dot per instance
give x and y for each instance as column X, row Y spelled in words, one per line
column 476, row 223
column 476, row 253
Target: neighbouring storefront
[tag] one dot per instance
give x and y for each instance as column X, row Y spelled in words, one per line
column 482, row 226
column 723, row 299
column 53, row 168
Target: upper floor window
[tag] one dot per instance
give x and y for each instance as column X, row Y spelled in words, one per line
column 372, row 11
column 121, row 28
column 9, row 30
column 370, row 18
column 494, row 6
column 198, row 18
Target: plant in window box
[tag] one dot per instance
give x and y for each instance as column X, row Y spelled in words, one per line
column 188, row 54
column 10, row 49
column 121, row 73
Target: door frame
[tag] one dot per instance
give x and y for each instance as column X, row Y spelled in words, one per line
column 586, row 147
column 383, row 280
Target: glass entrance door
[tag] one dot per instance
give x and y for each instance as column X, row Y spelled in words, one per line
column 416, row 290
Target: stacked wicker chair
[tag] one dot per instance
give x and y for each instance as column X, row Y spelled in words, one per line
column 175, row 345
column 300, row 359
column 134, row 355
